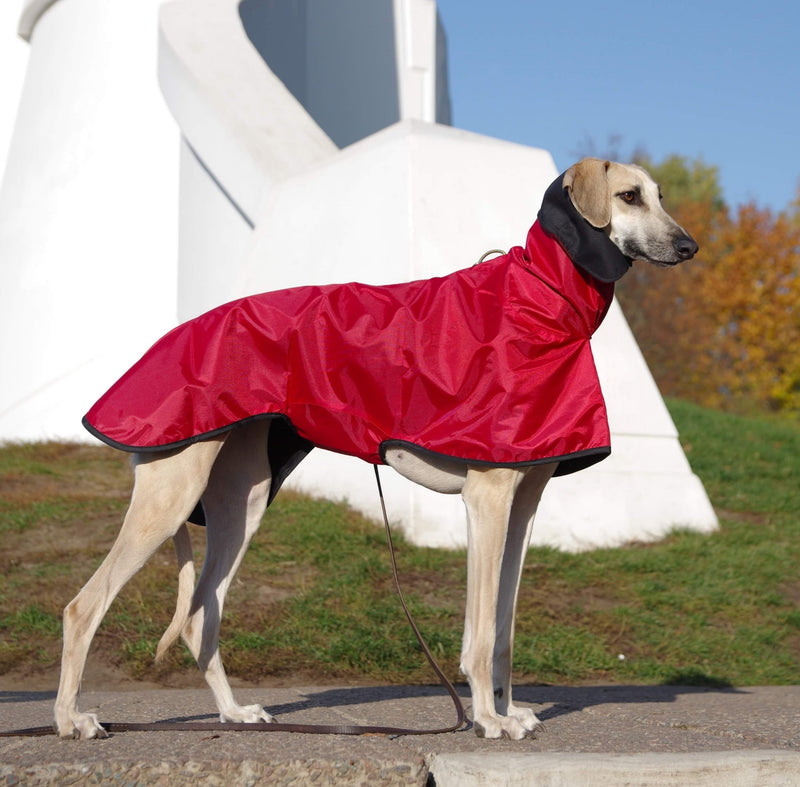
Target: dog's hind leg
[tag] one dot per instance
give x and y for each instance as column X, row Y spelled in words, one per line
column 488, row 495
column 166, row 489
column 520, row 523
column 234, row 503
column 186, row 577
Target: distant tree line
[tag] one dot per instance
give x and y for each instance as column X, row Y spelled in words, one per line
column 724, row 329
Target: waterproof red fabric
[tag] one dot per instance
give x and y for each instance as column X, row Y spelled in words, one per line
column 489, row 364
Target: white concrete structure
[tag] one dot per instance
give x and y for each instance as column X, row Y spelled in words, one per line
column 310, row 153
column 13, row 59
column 88, row 213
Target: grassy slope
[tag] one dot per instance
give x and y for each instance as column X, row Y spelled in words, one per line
column 314, row 596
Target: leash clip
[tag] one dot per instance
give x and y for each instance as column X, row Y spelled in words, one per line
column 487, row 253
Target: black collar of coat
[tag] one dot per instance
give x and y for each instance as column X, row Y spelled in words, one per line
column 588, row 247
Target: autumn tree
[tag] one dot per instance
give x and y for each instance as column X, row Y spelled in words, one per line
column 723, row 329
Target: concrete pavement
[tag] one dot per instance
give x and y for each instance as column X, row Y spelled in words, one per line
column 634, row 735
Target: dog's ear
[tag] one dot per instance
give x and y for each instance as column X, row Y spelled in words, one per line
column 587, row 184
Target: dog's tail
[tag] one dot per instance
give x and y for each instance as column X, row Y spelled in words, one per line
column 186, row 576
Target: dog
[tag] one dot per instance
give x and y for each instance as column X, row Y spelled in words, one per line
column 595, row 220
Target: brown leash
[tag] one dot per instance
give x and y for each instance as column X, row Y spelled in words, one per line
column 317, row 729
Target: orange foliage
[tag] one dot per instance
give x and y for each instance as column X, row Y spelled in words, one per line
column 724, row 329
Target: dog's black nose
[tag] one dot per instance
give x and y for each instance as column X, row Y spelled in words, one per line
column 686, row 247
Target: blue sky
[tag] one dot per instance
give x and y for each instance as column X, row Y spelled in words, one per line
column 709, row 79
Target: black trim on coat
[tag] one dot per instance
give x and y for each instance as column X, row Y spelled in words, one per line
column 567, row 463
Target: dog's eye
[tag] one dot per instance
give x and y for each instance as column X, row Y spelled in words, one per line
column 629, row 197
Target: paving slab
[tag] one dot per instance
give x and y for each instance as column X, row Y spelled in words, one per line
column 637, row 735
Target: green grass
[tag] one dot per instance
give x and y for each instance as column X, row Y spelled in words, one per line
column 749, row 465
column 314, row 597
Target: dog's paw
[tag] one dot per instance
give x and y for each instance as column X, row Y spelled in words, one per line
column 494, row 727
column 246, row 714
column 526, row 717
column 80, row 726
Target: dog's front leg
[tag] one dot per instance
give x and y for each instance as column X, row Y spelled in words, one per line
column 488, row 495
column 520, row 523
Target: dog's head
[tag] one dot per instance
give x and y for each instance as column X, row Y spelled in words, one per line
column 625, row 202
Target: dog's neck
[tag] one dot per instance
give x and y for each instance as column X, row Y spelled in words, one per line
column 588, row 247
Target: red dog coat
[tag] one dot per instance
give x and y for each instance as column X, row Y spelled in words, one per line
column 490, row 364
